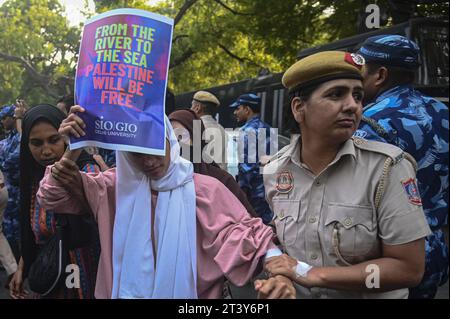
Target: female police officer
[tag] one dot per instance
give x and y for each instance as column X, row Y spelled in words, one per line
column 347, row 210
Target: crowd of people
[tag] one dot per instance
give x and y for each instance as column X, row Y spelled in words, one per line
column 361, row 192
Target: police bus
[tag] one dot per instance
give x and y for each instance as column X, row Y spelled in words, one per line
column 432, row 77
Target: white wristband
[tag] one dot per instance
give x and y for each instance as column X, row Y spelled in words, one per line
column 273, row 252
column 301, row 269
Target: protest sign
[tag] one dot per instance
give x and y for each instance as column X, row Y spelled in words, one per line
column 121, row 81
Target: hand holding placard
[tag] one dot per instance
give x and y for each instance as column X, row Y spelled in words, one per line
column 121, row 81
column 72, row 125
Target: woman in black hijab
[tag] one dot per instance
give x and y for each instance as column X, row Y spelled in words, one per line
column 186, row 118
column 41, row 145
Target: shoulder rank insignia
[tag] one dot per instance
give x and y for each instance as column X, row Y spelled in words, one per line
column 285, row 182
column 412, row 191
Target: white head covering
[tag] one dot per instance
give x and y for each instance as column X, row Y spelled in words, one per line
column 134, row 273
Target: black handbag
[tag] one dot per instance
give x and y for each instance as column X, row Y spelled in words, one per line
column 48, row 269
column 79, row 230
column 46, row 272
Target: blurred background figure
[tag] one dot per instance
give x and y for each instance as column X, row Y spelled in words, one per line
column 184, row 119
column 9, row 165
column 247, row 110
column 205, row 105
column 7, row 259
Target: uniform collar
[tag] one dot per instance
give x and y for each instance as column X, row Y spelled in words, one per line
column 294, row 151
column 249, row 123
column 207, row 117
column 389, row 92
column 348, row 148
column 253, row 119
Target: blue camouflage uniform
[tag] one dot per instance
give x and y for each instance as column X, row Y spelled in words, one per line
column 249, row 177
column 419, row 125
column 9, row 165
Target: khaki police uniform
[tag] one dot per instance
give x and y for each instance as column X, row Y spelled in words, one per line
column 218, row 151
column 214, row 132
column 365, row 197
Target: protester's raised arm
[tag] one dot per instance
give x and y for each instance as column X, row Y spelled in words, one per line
column 98, row 189
column 19, row 112
column 52, row 195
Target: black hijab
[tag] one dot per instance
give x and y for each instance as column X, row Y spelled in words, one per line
column 31, row 172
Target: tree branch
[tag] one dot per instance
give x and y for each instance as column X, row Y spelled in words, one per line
column 240, row 59
column 27, row 89
column 187, row 4
column 42, row 80
column 231, row 54
column 52, row 59
column 232, row 10
column 180, row 36
column 186, row 55
column 30, row 69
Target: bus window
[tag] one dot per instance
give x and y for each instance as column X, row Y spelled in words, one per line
column 433, row 44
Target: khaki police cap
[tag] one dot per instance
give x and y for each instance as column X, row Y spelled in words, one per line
column 322, row 67
column 203, row 96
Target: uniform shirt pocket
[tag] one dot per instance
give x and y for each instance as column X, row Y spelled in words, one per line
column 355, row 232
column 286, row 217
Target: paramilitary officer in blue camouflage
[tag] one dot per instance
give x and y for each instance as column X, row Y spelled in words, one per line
column 347, row 211
column 247, row 108
column 398, row 114
column 9, row 165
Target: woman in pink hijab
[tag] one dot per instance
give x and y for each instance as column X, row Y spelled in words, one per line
column 165, row 231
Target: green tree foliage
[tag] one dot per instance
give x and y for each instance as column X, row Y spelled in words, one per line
column 214, row 42
column 222, row 41
column 219, row 41
column 37, row 51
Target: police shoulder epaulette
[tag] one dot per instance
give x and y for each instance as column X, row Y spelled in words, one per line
column 278, row 154
column 392, row 151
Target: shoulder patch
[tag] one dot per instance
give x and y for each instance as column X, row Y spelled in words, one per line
column 412, row 191
column 389, row 150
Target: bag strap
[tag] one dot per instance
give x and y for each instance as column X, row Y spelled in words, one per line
column 61, row 223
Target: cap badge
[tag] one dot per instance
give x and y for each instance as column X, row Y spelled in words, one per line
column 358, row 59
column 355, row 59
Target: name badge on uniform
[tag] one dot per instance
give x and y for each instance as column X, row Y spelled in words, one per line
column 412, row 191
column 285, row 182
